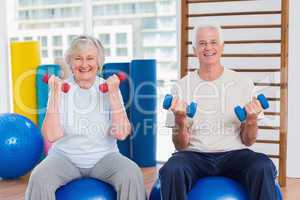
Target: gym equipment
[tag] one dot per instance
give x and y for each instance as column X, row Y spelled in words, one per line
column 86, row 189
column 25, row 58
column 42, row 91
column 143, row 111
column 65, row 87
column 190, row 109
column 213, row 188
column 217, row 188
column 241, row 112
column 104, row 87
column 21, row 145
column 108, row 70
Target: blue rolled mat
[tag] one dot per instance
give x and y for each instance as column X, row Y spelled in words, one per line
column 143, row 111
column 42, row 88
column 108, row 70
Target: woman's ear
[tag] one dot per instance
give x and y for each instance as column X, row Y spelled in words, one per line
column 99, row 69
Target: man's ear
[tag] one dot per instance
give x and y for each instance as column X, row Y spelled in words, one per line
column 195, row 51
column 222, row 45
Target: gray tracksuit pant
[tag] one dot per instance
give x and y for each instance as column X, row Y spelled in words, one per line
column 54, row 171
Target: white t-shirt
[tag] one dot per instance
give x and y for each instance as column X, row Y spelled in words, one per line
column 215, row 127
column 85, row 118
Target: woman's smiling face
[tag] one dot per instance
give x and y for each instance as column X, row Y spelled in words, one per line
column 85, row 64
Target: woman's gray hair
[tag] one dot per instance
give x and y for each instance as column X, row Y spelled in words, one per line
column 80, row 44
column 199, row 27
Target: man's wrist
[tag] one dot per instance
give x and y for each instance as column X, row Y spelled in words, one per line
column 251, row 122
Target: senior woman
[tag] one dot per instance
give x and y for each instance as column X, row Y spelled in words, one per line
column 83, row 126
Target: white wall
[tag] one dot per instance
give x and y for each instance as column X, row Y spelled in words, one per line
column 293, row 146
column 4, row 69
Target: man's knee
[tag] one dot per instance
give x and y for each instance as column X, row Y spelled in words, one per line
column 263, row 164
column 171, row 168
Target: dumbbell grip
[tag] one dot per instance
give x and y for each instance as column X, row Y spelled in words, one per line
column 65, row 87
column 104, row 87
column 241, row 112
column 190, row 109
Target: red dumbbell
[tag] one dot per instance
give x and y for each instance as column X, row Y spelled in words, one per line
column 65, row 87
column 104, row 87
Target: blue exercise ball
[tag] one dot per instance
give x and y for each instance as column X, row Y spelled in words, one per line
column 213, row 188
column 21, row 145
column 155, row 192
column 278, row 191
column 217, row 188
column 86, row 189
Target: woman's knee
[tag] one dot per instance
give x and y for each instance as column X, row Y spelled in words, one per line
column 128, row 170
column 42, row 176
column 39, row 175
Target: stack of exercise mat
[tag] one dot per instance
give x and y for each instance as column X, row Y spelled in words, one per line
column 139, row 96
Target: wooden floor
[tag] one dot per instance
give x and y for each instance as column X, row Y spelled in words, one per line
column 14, row 189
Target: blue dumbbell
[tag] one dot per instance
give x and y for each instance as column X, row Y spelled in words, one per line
column 241, row 112
column 190, row 109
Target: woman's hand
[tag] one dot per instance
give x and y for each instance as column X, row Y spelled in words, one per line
column 51, row 128
column 113, row 83
column 55, row 86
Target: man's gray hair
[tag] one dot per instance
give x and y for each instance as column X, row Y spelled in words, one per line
column 199, row 27
column 80, row 44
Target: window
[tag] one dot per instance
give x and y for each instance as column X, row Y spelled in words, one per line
column 149, row 53
column 44, row 53
column 121, row 51
column 57, row 53
column 112, row 9
column 28, row 38
column 104, row 38
column 146, row 7
column 71, row 38
column 149, row 23
column 121, row 38
column 128, row 8
column 57, row 41
column 44, row 41
column 107, row 52
column 50, row 21
column 166, row 23
column 167, row 6
column 98, row 10
column 14, row 39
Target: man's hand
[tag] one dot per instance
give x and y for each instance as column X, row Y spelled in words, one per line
column 253, row 109
column 180, row 135
column 249, row 128
column 178, row 107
